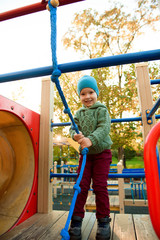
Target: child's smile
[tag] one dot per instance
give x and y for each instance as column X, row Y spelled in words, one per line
column 88, row 97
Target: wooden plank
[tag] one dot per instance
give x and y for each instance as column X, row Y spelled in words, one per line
column 54, row 180
column 45, row 148
column 54, row 231
column 91, row 200
column 49, row 226
column 143, row 227
column 136, row 202
column 111, row 201
column 114, row 203
column 121, row 187
column 145, row 95
column 123, row 227
column 20, row 229
column 91, row 205
column 40, row 227
column 112, row 215
column 88, row 223
column 94, row 229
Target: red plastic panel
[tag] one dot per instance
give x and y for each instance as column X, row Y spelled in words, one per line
column 152, row 177
column 31, row 120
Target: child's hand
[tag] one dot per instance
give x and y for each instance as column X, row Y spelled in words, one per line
column 85, row 142
column 79, row 136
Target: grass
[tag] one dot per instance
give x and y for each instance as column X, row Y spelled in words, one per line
column 136, row 162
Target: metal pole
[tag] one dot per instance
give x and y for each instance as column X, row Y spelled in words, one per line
column 31, row 9
column 112, row 121
column 154, row 109
column 84, row 65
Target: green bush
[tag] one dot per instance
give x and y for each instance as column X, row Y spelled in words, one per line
column 115, row 153
column 129, row 153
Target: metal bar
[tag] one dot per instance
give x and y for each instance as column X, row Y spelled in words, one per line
column 84, row 65
column 136, row 170
column 110, row 175
column 154, row 109
column 126, row 119
column 155, row 81
column 112, row 121
column 60, row 124
column 31, row 9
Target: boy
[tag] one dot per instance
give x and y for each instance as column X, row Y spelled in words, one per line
column 93, row 122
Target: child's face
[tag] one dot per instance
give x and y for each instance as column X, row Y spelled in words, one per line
column 88, row 97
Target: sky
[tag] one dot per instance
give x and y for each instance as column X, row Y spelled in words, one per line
column 25, row 44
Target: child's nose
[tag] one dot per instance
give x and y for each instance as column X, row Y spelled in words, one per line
column 87, row 95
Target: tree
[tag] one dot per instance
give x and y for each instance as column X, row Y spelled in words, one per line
column 68, row 84
column 112, row 32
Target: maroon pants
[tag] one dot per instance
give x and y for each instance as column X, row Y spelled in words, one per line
column 97, row 168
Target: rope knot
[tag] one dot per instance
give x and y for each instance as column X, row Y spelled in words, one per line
column 55, row 75
column 74, row 127
column 66, row 110
column 85, row 151
column 77, row 187
column 65, row 234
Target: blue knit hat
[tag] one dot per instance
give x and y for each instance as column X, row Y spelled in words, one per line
column 87, row 82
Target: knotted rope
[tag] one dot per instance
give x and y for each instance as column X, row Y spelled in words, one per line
column 52, row 4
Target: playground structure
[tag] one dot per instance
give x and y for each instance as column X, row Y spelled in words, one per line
column 118, row 201
column 21, row 122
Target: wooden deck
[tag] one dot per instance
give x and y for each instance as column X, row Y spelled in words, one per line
column 48, row 227
column 114, row 203
column 91, row 205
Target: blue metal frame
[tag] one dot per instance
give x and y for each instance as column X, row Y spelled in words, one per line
column 154, row 109
column 84, row 65
column 112, row 121
column 116, row 175
column 156, row 81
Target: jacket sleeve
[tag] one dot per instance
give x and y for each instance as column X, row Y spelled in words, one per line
column 103, row 127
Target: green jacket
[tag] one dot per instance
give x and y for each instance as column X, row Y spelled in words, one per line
column 94, row 122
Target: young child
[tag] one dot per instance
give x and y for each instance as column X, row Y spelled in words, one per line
column 93, row 122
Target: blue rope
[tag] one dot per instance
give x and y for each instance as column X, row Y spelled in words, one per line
column 64, row 231
column 55, row 78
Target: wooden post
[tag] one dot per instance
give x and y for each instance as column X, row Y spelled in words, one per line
column 62, row 179
column 121, row 187
column 145, row 96
column 55, row 181
column 62, row 168
column 45, row 148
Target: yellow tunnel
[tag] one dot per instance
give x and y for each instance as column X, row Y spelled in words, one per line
column 17, row 169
